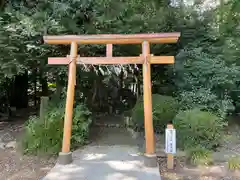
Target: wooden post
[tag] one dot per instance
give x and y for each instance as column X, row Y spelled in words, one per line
column 43, row 109
column 70, row 99
column 147, row 95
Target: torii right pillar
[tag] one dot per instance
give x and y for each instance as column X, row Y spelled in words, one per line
column 150, row 158
column 150, row 155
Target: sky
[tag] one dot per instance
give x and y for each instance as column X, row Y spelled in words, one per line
column 205, row 5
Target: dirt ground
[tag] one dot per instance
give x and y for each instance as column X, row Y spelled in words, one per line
column 13, row 165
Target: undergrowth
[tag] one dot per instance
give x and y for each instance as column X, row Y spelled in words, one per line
column 164, row 110
column 199, row 156
column 196, row 127
column 45, row 136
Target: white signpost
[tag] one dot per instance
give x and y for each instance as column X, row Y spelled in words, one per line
column 170, row 141
column 170, row 145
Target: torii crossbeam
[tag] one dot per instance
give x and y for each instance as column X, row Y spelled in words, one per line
column 65, row 157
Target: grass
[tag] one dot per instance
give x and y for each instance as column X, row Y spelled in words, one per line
column 234, row 163
column 199, row 156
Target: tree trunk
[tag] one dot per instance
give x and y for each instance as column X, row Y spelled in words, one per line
column 2, row 4
column 19, row 95
column 35, row 86
column 58, row 88
column 94, row 91
column 44, row 85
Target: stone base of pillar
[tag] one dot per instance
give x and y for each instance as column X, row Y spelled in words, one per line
column 150, row 160
column 65, row 158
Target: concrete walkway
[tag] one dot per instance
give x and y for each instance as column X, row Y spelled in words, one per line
column 112, row 155
column 105, row 163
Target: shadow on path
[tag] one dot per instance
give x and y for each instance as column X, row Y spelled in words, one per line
column 105, row 163
column 112, row 155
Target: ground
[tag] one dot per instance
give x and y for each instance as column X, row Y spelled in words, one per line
column 185, row 171
column 218, row 171
column 15, row 166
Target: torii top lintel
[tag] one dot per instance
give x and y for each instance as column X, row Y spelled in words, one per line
column 114, row 38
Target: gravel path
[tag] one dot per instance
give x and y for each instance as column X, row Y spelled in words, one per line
column 14, row 166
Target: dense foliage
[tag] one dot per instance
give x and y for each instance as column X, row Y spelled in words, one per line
column 207, row 55
column 205, row 74
column 206, row 82
column 45, row 136
column 164, row 110
column 198, row 128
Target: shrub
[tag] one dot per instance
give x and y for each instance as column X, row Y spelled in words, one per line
column 42, row 138
column 204, row 99
column 164, row 110
column 195, row 127
column 45, row 137
column 199, row 156
column 81, row 122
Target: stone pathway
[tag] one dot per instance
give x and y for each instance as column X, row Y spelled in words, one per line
column 105, row 163
column 112, row 155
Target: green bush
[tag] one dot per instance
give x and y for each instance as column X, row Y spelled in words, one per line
column 195, row 127
column 205, row 81
column 199, row 156
column 81, row 122
column 164, row 110
column 205, row 99
column 45, row 137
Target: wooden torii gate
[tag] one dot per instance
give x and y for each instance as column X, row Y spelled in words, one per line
column 65, row 157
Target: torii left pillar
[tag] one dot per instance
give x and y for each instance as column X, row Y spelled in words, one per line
column 65, row 157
